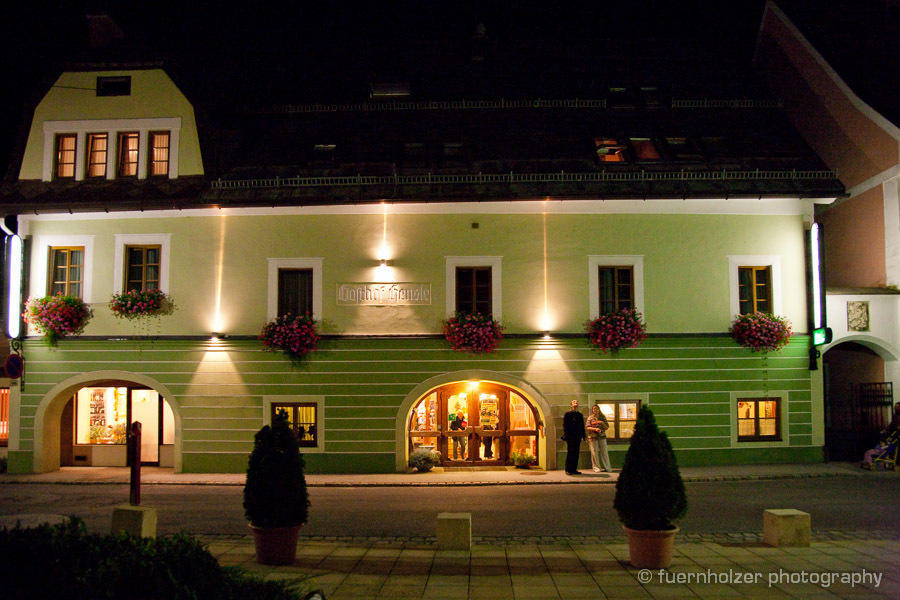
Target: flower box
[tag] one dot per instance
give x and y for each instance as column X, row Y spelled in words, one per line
column 57, row 316
column 294, row 335
column 135, row 304
column 761, row 332
column 473, row 332
column 624, row 328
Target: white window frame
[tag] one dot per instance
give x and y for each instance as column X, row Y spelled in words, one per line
column 163, row 240
column 42, row 247
column 294, row 263
column 635, row 261
column 112, row 127
column 319, row 401
column 773, row 261
column 494, row 262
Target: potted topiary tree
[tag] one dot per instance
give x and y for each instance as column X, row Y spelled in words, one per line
column 650, row 494
column 275, row 498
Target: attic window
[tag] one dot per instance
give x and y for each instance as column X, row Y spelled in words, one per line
column 385, row 91
column 324, row 148
column 452, row 149
column 650, row 96
column 114, row 86
column 609, row 150
column 644, row 149
column 619, row 97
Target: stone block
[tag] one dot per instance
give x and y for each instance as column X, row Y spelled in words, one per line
column 786, row 527
column 139, row 521
column 454, row 531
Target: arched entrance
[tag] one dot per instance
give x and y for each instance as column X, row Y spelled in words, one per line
column 858, row 400
column 84, row 416
column 475, row 423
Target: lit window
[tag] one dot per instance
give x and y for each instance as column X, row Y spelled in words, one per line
column 644, row 149
column 142, row 268
column 759, row 419
column 302, row 419
column 755, row 289
column 66, row 271
column 616, row 288
column 97, row 144
column 101, row 415
column 65, row 156
column 4, row 416
column 621, row 416
column 128, row 155
column 609, row 150
column 473, row 290
column 295, row 292
column 159, row 154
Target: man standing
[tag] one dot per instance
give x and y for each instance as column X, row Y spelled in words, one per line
column 573, row 433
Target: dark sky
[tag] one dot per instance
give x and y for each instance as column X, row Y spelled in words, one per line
column 280, row 50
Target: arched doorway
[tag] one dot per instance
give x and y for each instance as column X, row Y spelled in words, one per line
column 54, row 419
column 858, row 400
column 474, row 423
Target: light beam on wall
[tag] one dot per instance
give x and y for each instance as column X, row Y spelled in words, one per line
column 218, row 322
column 546, row 320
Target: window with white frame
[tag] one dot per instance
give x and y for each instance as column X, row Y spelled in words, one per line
column 754, row 284
column 615, row 282
column 306, row 415
column 474, row 284
column 292, row 284
column 109, row 148
column 62, row 263
column 141, row 261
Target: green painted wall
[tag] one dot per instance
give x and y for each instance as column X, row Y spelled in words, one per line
column 153, row 95
column 221, row 261
column 217, row 389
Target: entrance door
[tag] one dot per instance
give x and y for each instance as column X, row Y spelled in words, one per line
column 476, row 418
column 145, row 407
column 474, row 423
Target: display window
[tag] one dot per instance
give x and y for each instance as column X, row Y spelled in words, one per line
column 104, row 414
column 473, row 423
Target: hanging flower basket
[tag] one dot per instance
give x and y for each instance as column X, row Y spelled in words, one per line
column 135, row 304
column 473, row 332
column 57, row 316
column 761, row 332
column 295, row 336
column 624, row 328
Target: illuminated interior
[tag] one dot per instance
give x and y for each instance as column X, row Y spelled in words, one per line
column 474, row 423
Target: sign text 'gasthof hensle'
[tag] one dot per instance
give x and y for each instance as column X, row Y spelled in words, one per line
column 384, row 294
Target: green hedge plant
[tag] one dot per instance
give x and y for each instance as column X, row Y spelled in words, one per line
column 424, row 459
column 275, row 493
column 649, row 493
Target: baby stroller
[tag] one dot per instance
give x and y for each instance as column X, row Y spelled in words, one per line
column 884, row 455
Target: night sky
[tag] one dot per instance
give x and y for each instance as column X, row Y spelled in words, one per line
column 305, row 51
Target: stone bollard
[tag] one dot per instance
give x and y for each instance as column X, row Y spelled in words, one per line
column 137, row 521
column 786, row 527
column 454, row 531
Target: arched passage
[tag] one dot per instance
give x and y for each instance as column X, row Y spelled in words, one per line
column 49, row 416
column 500, row 413
column 858, row 395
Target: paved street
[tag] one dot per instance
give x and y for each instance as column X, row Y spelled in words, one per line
column 372, row 537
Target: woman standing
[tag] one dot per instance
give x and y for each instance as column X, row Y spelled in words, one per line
column 596, row 427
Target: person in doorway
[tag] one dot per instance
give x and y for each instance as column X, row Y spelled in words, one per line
column 596, row 427
column 573, row 433
column 459, row 441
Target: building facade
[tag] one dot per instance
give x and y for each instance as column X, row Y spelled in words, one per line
column 114, row 193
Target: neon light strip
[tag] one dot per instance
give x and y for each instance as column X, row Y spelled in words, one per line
column 816, row 277
column 13, row 321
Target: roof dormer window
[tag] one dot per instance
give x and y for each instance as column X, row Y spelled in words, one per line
column 64, row 167
column 114, row 86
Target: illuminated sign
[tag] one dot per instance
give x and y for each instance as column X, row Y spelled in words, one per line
column 384, row 294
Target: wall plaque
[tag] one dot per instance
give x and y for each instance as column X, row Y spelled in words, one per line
column 858, row 316
column 384, row 294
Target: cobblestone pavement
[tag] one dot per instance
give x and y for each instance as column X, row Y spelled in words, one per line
column 727, row 566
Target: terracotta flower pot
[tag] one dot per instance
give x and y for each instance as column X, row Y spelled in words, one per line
column 275, row 545
column 651, row 549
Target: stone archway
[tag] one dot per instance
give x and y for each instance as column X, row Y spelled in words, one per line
column 857, row 395
column 49, row 413
column 522, row 387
